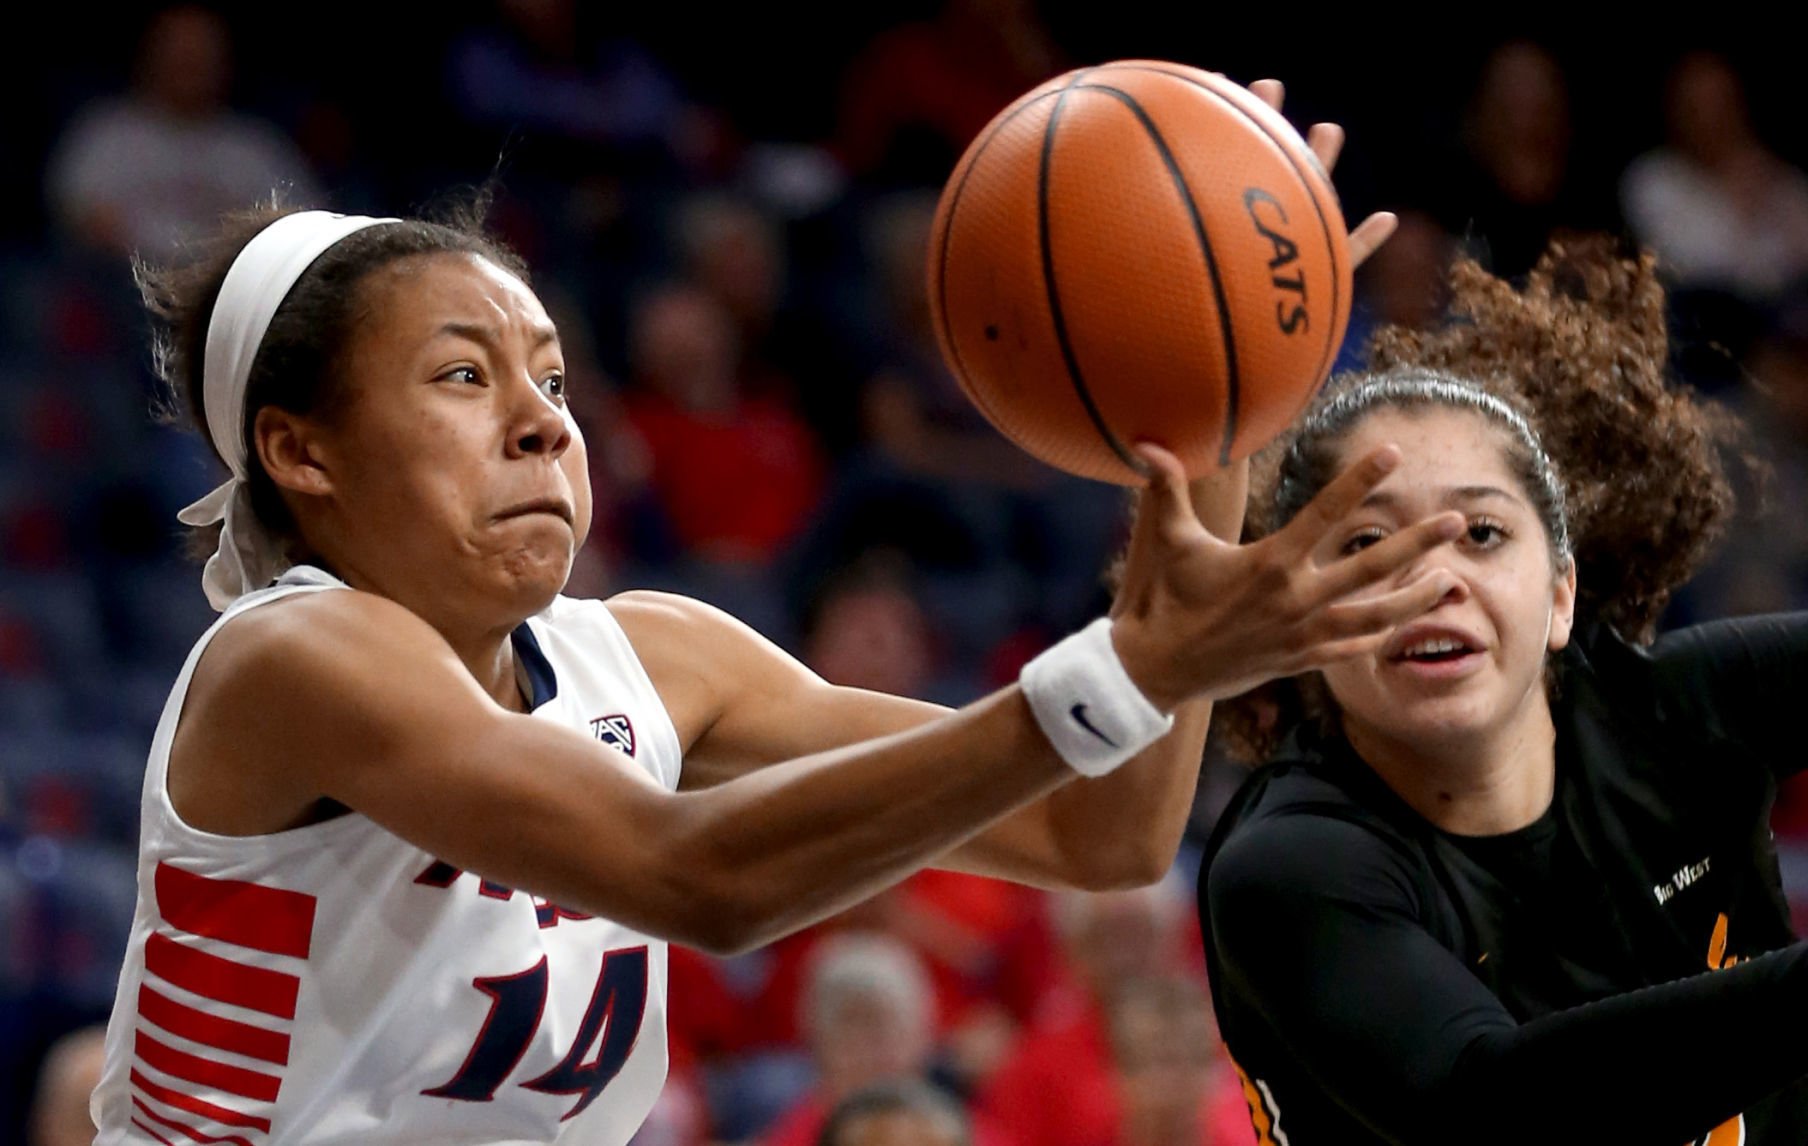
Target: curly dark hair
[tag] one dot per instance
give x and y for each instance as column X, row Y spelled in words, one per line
column 1582, row 352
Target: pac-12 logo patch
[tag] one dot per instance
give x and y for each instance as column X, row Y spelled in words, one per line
column 615, row 730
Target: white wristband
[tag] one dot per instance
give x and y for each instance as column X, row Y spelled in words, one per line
column 1087, row 705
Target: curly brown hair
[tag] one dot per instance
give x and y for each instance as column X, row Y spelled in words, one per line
column 1583, row 353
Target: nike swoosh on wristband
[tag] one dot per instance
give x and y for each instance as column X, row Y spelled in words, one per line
column 1078, row 712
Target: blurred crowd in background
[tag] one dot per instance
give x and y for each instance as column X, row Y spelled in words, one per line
column 730, row 231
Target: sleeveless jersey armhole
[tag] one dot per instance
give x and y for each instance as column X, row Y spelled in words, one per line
column 159, row 816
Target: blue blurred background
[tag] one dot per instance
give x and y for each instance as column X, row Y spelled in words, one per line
column 726, row 212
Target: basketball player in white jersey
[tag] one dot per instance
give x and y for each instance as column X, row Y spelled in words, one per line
column 417, row 828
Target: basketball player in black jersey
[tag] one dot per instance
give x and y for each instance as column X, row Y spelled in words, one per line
column 1510, row 879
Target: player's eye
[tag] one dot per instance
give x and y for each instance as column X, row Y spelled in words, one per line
column 553, row 386
column 1485, row 533
column 1361, row 540
column 465, row 374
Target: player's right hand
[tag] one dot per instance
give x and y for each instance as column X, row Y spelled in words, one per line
column 1201, row 617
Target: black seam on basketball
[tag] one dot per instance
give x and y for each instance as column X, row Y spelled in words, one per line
column 1325, row 358
column 958, row 365
column 1231, row 379
column 1136, row 464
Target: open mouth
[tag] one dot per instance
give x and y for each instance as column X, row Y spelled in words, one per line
column 1434, row 650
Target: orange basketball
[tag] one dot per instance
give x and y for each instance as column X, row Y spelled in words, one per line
column 1139, row 250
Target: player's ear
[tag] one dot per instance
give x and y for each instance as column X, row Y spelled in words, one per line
column 1563, row 607
column 292, row 450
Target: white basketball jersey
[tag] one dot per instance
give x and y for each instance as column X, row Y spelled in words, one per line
column 336, row 984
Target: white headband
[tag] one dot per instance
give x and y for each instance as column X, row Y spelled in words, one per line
column 260, row 278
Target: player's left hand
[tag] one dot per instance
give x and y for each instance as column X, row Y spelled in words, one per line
column 1326, row 142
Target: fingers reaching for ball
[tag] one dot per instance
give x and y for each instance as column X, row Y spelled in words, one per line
column 1325, row 139
column 1198, row 616
column 1375, row 230
column 1326, row 142
column 1167, row 501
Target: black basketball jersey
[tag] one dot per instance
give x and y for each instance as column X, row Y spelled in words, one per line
column 1598, row 976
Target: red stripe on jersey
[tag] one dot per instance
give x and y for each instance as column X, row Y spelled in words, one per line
column 244, row 914
column 193, row 1068
column 152, row 1133
column 188, row 1131
column 221, row 980
column 193, row 1105
column 212, row 1030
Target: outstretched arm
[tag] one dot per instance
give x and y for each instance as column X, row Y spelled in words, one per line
column 1115, row 831
column 1255, row 611
column 1316, row 929
column 350, row 697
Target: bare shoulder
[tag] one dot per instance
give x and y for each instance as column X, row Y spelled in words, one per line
column 661, row 615
column 318, row 670
column 288, row 691
column 700, row 658
column 311, row 636
column 303, row 616
column 677, row 630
